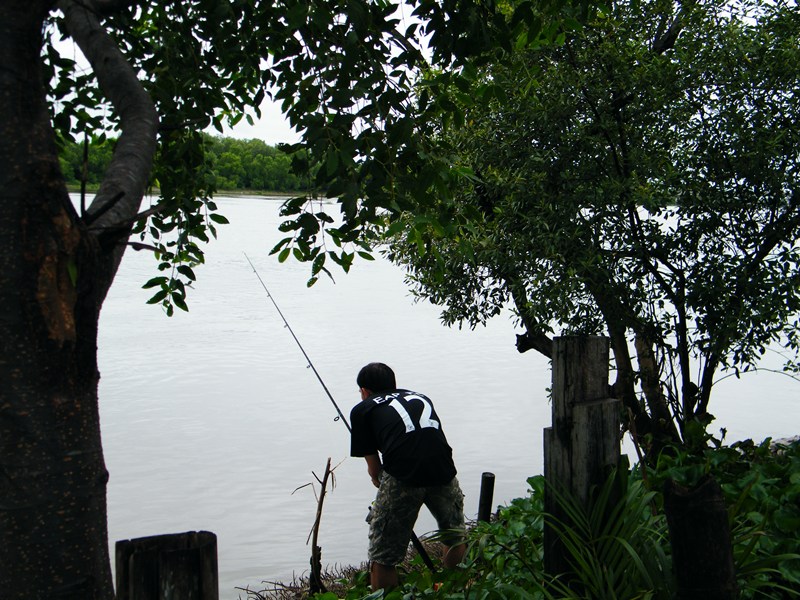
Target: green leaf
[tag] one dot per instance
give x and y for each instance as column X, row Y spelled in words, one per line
column 158, row 296
column 179, row 300
column 187, row 272
column 154, row 282
column 318, row 263
column 218, row 218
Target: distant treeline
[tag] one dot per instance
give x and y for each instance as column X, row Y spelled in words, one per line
column 237, row 164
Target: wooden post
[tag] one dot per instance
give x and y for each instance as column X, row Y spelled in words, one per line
column 485, row 500
column 700, row 536
column 178, row 566
column 582, row 445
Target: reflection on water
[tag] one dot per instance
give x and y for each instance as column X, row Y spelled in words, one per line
column 211, row 419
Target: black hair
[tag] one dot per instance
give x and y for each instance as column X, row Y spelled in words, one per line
column 376, row 377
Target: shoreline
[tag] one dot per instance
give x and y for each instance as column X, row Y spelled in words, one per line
column 92, row 189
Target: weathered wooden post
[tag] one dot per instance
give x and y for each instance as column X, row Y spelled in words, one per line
column 485, row 500
column 177, row 566
column 582, row 445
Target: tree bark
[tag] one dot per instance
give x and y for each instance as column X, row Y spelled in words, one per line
column 54, row 275
column 649, row 373
column 53, row 533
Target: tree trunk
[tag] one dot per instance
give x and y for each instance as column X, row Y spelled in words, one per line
column 53, row 531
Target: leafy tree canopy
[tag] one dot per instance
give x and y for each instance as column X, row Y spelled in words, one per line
column 638, row 178
column 347, row 76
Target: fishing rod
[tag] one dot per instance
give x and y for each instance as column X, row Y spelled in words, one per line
column 414, row 539
column 299, row 345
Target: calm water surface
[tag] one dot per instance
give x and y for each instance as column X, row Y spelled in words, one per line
column 211, row 420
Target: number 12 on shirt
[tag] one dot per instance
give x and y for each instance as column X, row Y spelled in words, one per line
column 425, row 419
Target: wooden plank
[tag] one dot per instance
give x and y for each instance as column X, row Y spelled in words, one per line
column 595, row 445
column 179, row 575
column 142, row 575
column 580, row 371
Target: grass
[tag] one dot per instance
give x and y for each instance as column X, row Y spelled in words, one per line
column 336, row 579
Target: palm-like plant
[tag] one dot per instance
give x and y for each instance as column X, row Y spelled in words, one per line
column 617, row 548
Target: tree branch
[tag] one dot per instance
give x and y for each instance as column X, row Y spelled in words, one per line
column 666, row 40
column 772, row 235
column 127, row 223
column 535, row 341
column 140, row 246
column 127, row 176
column 533, row 338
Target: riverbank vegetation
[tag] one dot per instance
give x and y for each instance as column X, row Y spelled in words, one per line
column 621, row 549
column 235, row 165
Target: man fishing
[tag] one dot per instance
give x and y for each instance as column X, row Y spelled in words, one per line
column 402, row 428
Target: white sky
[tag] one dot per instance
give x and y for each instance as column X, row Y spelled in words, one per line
column 272, row 127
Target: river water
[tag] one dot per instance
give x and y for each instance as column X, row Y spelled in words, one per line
column 211, row 419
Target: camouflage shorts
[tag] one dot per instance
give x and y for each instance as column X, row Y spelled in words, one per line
column 395, row 511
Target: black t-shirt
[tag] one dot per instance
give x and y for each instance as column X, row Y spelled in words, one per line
column 405, row 428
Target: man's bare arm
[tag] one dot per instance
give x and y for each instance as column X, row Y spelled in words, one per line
column 374, row 468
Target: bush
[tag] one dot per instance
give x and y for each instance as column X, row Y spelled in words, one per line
column 620, row 549
column 761, row 486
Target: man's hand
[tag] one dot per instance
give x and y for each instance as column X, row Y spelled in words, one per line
column 374, row 468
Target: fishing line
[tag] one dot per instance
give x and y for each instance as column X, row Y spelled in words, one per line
column 299, row 345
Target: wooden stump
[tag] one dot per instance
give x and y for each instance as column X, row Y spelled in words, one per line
column 702, row 554
column 178, row 566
